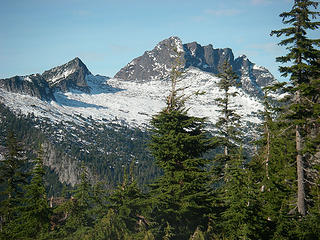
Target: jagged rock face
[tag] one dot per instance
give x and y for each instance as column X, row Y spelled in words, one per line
column 62, row 78
column 157, row 64
column 34, row 85
column 70, row 75
column 206, row 58
column 67, row 169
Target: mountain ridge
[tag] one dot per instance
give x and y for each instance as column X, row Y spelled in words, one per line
column 152, row 65
column 157, row 64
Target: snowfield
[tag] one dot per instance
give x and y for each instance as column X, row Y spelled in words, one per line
column 132, row 103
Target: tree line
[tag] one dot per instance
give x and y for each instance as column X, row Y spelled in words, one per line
column 275, row 195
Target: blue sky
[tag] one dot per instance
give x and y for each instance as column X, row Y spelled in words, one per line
column 36, row 35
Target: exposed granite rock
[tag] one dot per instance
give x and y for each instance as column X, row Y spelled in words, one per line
column 157, row 64
column 34, row 85
column 70, row 75
column 67, row 169
column 206, row 58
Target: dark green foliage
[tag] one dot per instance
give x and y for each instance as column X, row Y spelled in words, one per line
column 302, row 108
column 110, row 227
column 129, row 204
column 241, row 218
column 34, row 217
column 13, row 179
column 78, row 209
column 180, row 198
column 228, row 123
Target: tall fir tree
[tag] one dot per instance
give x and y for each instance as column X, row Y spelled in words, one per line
column 236, row 201
column 274, row 175
column 181, row 197
column 34, row 218
column 302, row 66
column 14, row 176
column 129, row 203
column 228, row 124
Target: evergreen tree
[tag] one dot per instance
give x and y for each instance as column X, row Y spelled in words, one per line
column 181, row 197
column 125, row 216
column 33, row 221
column 129, row 203
column 228, row 124
column 304, row 67
column 13, row 178
column 241, row 218
column 110, row 226
column 236, row 202
column 272, row 176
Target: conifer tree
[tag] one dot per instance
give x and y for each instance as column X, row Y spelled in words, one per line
column 33, row 221
column 129, row 203
column 13, row 177
column 275, row 172
column 125, row 216
column 303, row 60
column 110, row 227
column 181, row 197
column 236, row 200
column 228, row 124
column 241, row 217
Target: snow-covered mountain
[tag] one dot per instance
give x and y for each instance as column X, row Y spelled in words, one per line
column 70, row 75
column 73, row 98
column 157, row 64
column 132, row 103
column 70, row 92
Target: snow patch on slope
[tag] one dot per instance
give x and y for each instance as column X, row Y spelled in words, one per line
column 61, row 75
column 132, row 103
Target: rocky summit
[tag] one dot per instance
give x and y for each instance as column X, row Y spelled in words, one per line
column 34, row 85
column 69, row 75
column 157, row 64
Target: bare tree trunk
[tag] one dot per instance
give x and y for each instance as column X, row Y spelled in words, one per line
column 301, row 204
column 226, row 150
column 268, row 152
column 226, row 107
column 300, row 173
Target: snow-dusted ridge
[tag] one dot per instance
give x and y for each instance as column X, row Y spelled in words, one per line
column 132, row 103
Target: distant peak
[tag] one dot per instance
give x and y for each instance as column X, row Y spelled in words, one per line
column 77, row 61
column 174, row 38
column 171, row 42
column 243, row 56
column 70, row 74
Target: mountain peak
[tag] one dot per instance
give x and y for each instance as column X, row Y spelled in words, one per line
column 69, row 75
column 158, row 63
column 78, row 63
column 154, row 64
column 173, row 42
